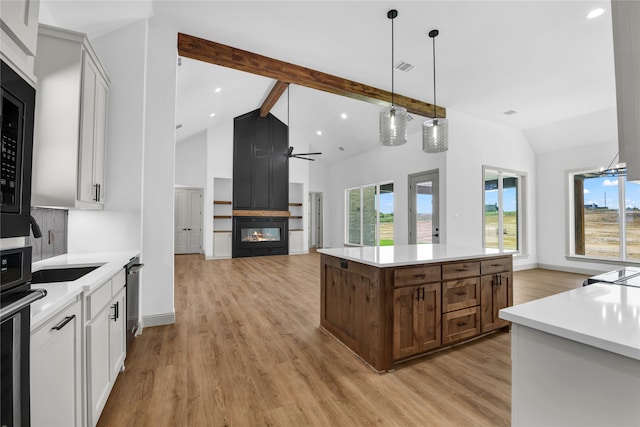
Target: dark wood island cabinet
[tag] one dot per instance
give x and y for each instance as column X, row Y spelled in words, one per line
column 390, row 304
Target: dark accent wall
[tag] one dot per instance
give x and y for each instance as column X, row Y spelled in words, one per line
column 260, row 163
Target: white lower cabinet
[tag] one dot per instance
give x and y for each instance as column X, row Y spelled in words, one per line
column 296, row 242
column 105, row 329
column 56, row 370
column 222, row 244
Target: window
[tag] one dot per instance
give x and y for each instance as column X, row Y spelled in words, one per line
column 369, row 215
column 503, row 213
column 605, row 215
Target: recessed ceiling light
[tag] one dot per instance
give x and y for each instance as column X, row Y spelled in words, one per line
column 212, row 114
column 595, row 13
column 218, row 89
column 343, row 115
column 319, row 132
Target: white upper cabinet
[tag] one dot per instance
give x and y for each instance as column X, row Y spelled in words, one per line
column 626, row 44
column 70, row 123
column 19, row 23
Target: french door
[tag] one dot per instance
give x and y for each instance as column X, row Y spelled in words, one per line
column 188, row 221
column 424, row 194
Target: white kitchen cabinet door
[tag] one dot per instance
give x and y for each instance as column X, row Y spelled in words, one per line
column 188, row 221
column 117, row 335
column 93, row 133
column 56, row 370
column 20, row 21
column 98, row 367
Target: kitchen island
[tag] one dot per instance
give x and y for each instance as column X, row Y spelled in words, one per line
column 389, row 304
column 576, row 358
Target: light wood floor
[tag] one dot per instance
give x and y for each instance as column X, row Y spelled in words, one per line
column 246, row 350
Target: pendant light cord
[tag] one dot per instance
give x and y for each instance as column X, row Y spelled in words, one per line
column 392, row 57
column 434, row 76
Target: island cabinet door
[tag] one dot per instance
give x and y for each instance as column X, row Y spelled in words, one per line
column 416, row 320
column 495, row 294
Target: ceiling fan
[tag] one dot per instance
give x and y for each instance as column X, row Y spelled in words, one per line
column 301, row 155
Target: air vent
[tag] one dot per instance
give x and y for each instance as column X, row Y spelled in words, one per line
column 179, row 61
column 404, row 66
column 178, row 126
column 510, row 112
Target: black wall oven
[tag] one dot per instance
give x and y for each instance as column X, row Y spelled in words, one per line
column 17, row 112
column 16, row 297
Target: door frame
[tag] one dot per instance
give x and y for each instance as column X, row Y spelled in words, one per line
column 433, row 176
column 316, row 219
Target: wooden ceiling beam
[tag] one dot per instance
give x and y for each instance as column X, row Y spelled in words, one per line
column 276, row 92
column 227, row 56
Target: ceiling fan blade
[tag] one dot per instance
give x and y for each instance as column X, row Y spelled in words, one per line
column 304, row 158
column 307, row 154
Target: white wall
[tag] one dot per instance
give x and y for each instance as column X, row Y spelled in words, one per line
column 118, row 226
column 553, row 204
column 472, row 143
column 191, row 161
column 158, row 173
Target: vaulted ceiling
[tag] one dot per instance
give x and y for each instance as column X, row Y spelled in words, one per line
column 543, row 59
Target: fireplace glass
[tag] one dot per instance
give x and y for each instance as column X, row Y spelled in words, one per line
column 260, row 234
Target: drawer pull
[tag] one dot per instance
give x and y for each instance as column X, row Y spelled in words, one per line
column 461, row 293
column 420, row 276
column 63, row 322
column 462, row 323
column 496, row 265
column 462, row 269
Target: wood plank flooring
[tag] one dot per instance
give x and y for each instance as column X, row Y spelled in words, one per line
column 247, row 351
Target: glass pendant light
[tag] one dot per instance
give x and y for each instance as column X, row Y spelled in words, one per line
column 393, row 119
column 435, row 131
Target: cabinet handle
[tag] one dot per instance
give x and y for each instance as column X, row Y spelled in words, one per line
column 422, row 294
column 462, row 323
column 461, row 293
column 462, row 269
column 115, row 312
column 419, row 276
column 63, row 322
column 50, row 236
column 496, row 265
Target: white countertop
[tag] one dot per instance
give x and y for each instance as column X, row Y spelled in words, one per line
column 399, row 255
column 605, row 316
column 60, row 294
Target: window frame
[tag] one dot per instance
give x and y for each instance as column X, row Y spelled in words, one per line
column 376, row 207
column 570, row 246
column 522, row 208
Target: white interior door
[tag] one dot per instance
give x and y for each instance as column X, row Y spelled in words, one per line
column 315, row 220
column 188, row 221
column 424, row 194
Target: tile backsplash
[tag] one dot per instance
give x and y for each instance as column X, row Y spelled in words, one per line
column 53, row 224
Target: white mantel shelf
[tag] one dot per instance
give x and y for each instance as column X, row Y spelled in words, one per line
column 400, row 255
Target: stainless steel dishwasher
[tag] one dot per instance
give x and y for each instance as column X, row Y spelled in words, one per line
column 133, row 298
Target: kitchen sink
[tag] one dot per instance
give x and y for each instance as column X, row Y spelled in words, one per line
column 67, row 274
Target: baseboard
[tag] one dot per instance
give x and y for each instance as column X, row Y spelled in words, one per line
column 525, row 267
column 567, row 269
column 159, row 320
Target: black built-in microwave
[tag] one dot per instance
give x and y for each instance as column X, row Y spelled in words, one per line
column 17, row 113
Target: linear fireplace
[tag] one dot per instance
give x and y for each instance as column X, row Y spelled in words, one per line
column 260, row 235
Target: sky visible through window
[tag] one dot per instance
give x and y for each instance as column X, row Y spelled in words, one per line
column 597, row 190
column 508, row 198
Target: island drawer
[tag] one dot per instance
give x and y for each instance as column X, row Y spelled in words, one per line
column 498, row 265
column 460, row 324
column 461, row 293
column 459, row 270
column 416, row 275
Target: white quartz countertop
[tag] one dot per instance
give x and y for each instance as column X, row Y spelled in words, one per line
column 605, row 316
column 59, row 294
column 399, row 255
